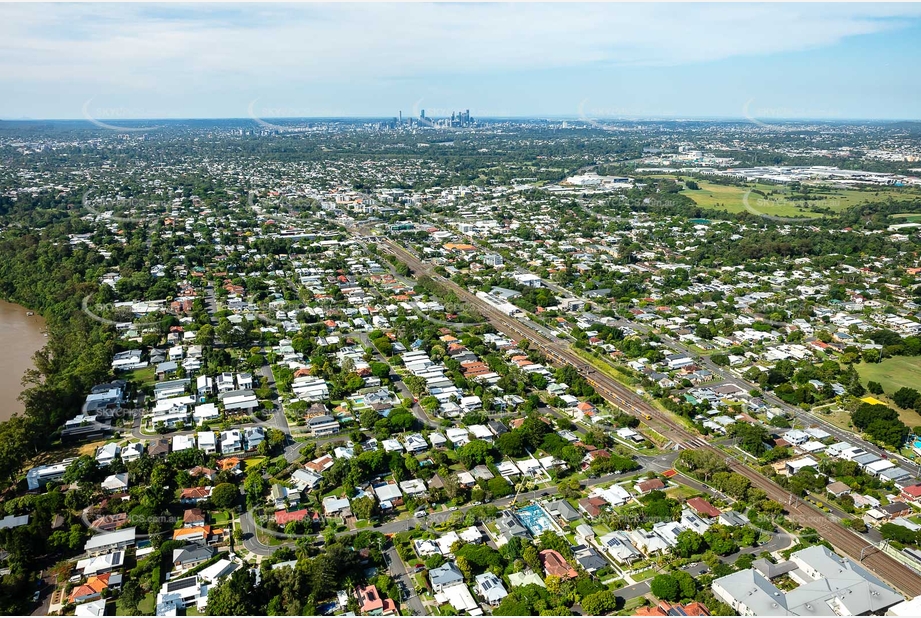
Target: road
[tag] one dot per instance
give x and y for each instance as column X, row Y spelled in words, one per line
column 417, row 410
column 626, row 399
column 808, row 419
column 656, row 463
column 401, row 576
column 47, row 587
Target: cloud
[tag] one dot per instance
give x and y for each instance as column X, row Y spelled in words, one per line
column 147, row 50
column 396, row 41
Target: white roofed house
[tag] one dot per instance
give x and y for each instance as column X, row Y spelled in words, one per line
column 470, row 403
column 205, row 412
column 244, row 381
column 490, row 588
column 648, row 542
column 39, row 476
column 829, row 585
column 107, row 453
column 207, row 442
column 305, row 479
column 392, row 445
column 132, row 452
column 204, row 386
column 426, row 548
column 437, row 440
column 310, row 388
column 415, row 443
column 336, row 507
column 458, row 436
column 231, row 441
column 225, row 382
column 804, row 462
column 110, row 541
column 238, row 400
column 668, row 531
column 389, row 495
column 128, row 360
column 414, row 488
column 116, row 482
column 182, row 443
column 481, row 432
column 618, row 545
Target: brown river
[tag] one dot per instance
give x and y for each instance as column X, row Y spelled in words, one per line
column 22, row 335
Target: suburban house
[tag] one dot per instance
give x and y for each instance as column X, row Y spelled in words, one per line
column 555, row 564
column 445, row 575
column 490, row 588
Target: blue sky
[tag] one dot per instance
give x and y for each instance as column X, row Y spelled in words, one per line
column 113, row 62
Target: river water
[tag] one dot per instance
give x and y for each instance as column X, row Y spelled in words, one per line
column 21, row 336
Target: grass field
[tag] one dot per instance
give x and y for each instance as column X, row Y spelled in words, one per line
column 895, row 373
column 778, row 201
column 252, row 462
column 644, row 575
column 147, row 375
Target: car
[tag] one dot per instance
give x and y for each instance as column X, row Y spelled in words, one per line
column 693, row 564
column 452, row 509
column 36, row 596
column 477, row 503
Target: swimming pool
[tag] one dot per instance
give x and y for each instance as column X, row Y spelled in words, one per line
column 534, row 519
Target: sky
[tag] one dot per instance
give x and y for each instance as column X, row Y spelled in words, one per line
column 111, row 62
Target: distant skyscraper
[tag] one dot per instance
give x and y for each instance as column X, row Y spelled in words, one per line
column 422, row 114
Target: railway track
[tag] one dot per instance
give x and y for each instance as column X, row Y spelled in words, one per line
column 896, row 573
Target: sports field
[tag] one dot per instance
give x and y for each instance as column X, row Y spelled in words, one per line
column 780, row 201
column 893, row 374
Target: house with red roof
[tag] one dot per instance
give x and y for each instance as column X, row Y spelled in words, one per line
column 554, row 564
column 282, row 518
column 592, row 506
column 371, row 603
column 703, row 507
column 664, row 608
column 94, row 586
column 912, row 493
column 651, row 485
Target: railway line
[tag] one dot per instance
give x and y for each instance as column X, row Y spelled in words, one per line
column 896, row 573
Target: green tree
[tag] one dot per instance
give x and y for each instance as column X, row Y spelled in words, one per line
column 599, row 603
column 236, row 595
column 224, row 495
column 689, row 543
column 665, row 587
column 131, row 596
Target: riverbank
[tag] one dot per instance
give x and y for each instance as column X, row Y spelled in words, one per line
column 22, row 336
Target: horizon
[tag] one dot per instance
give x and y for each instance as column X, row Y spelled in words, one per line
column 113, row 62
column 657, row 118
